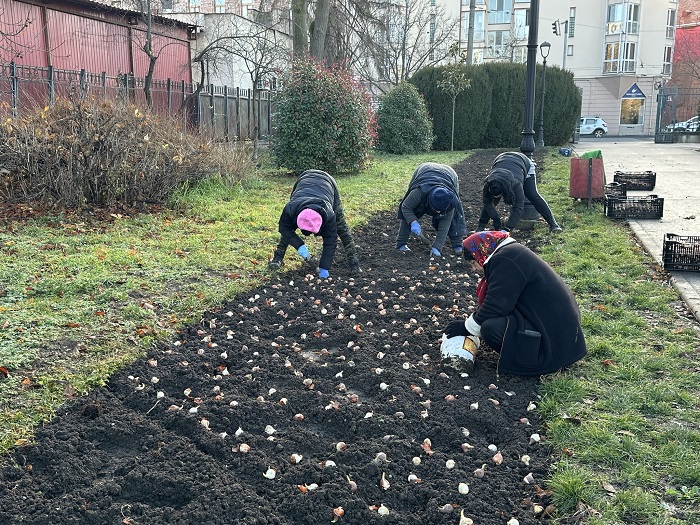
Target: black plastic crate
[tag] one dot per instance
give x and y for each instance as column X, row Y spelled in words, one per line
column 641, row 180
column 681, row 252
column 616, row 189
column 649, row 207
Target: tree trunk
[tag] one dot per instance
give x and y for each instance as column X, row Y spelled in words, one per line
column 318, row 37
column 299, row 38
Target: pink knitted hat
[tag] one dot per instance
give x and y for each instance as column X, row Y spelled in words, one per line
column 309, row 220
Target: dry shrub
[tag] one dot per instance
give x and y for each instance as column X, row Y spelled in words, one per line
column 101, row 153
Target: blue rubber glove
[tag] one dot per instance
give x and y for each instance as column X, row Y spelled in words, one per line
column 415, row 228
column 435, row 252
column 303, row 252
column 323, row 273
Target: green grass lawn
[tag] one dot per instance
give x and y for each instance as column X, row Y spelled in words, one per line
column 79, row 299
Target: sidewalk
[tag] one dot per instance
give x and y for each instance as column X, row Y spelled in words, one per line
column 677, row 168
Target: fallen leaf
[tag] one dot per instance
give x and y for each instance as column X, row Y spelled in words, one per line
column 608, row 362
column 609, row 488
column 4, row 371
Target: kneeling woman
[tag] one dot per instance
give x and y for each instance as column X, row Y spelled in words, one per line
column 525, row 311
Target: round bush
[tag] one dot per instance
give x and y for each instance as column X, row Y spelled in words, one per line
column 404, row 123
column 322, row 120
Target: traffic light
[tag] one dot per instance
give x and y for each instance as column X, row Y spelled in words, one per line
column 555, row 27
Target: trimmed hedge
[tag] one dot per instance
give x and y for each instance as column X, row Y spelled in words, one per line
column 490, row 113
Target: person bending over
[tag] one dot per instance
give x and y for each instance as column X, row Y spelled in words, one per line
column 314, row 208
column 512, row 178
column 433, row 190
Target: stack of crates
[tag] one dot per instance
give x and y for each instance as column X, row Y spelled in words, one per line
column 619, row 206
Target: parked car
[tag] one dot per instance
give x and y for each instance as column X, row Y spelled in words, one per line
column 595, row 126
column 692, row 124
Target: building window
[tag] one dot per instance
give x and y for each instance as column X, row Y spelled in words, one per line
column 612, row 58
column 632, row 19
column 478, row 56
column 521, row 23
column 246, row 5
column 520, row 55
column 219, row 6
column 478, row 25
column 629, row 60
column 194, row 6
column 498, row 43
column 167, row 6
column 670, row 23
column 615, row 19
column 569, row 51
column 432, row 37
column 572, row 21
column 668, row 60
column 499, row 12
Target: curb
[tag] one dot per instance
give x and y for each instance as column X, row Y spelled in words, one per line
column 678, row 281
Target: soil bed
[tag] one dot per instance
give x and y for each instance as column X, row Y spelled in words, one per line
column 316, row 363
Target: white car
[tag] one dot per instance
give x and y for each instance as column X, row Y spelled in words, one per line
column 692, row 124
column 595, row 126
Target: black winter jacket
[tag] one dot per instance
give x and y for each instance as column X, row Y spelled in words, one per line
column 318, row 191
column 526, row 290
column 509, row 169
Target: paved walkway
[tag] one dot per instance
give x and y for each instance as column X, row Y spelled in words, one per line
column 677, row 168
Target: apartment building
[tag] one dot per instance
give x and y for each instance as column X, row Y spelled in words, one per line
column 619, row 51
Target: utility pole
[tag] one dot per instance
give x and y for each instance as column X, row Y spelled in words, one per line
column 566, row 36
column 470, row 32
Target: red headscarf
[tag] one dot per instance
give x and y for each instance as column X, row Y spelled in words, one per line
column 482, row 244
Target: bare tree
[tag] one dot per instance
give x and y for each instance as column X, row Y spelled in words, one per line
column 686, row 59
column 11, row 46
column 396, row 39
column 261, row 49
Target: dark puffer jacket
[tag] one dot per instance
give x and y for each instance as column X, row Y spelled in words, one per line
column 414, row 205
column 316, row 190
column 526, row 290
column 509, row 170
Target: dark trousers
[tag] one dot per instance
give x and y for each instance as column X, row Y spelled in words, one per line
column 343, row 233
column 531, row 193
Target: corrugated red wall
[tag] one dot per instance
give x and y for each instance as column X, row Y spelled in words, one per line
column 25, row 45
column 75, row 36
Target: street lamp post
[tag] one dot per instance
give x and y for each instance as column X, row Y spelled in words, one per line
column 527, row 143
column 544, row 51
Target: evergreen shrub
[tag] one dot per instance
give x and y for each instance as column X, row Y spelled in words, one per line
column 404, row 125
column 323, row 120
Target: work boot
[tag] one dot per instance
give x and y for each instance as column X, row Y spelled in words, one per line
column 355, row 266
column 275, row 263
column 457, row 248
column 554, row 227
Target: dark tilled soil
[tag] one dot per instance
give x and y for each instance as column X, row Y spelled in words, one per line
column 300, row 367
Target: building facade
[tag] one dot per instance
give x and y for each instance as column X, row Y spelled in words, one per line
column 619, row 51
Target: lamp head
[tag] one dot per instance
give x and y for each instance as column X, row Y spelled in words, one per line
column 544, row 49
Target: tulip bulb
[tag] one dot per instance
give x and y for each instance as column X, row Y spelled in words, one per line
column 529, row 478
column 384, row 483
column 382, row 510
column 463, row 488
column 463, row 520
column 479, row 473
column 270, row 473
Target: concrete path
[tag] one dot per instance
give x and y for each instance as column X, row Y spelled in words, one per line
column 677, row 168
